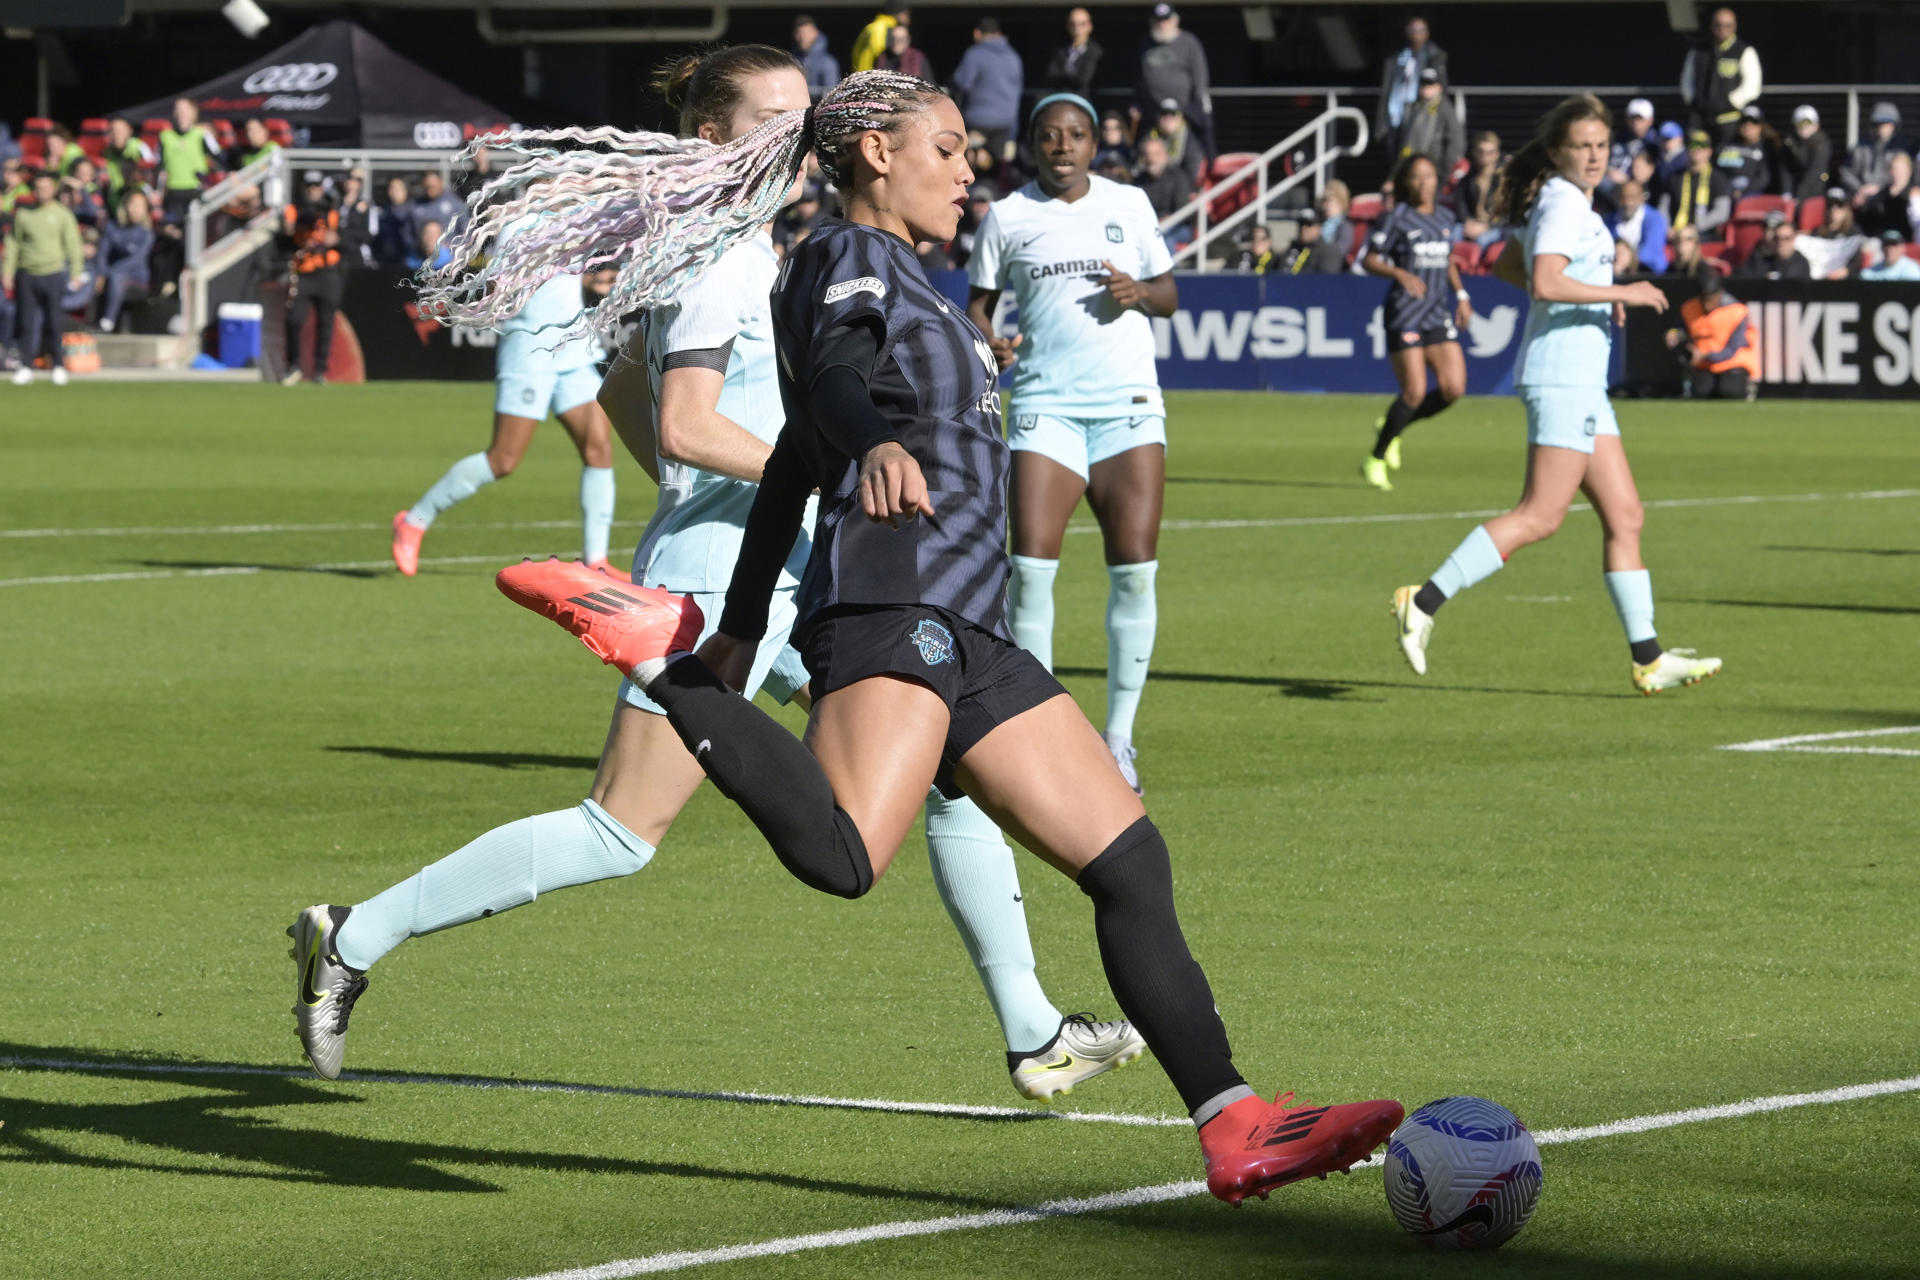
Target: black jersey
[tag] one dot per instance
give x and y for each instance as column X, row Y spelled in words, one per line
column 934, row 381
column 1421, row 243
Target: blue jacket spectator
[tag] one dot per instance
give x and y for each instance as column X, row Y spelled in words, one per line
column 821, row 67
column 436, row 203
column 1642, row 226
column 987, row 84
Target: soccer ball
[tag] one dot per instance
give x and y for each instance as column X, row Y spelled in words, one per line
column 1462, row 1173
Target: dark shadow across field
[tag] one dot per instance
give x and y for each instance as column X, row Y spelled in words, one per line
column 490, row 759
column 335, row 571
column 1896, row 609
column 1329, row 690
column 1853, row 551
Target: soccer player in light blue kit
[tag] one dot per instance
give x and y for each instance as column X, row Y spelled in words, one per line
column 535, row 373
column 700, row 411
column 1573, row 442
column 1086, row 263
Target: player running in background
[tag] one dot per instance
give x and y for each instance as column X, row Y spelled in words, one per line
column 535, row 372
column 1086, row 264
column 893, row 416
column 1573, row 442
column 700, row 412
column 1425, row 310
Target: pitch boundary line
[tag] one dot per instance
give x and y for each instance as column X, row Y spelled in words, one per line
column 1287, row 522
column 1801, row 743
column 685, row 1259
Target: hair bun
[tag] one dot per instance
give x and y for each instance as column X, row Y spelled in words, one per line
column 672, row 80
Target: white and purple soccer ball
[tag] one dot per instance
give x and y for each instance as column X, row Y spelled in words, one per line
column 1462, row 1173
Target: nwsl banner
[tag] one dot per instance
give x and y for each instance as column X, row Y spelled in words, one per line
column 1303, row 333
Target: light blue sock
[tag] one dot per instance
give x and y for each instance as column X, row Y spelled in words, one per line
column 596, row 512
column 1132, row 614
column 973, row 870
column 462, row 481
column 508, row 867
column 1030, row 607
column 1475, row 559
column 1632, row 592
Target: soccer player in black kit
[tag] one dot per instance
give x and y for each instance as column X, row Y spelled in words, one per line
column 893, row 415
column 1426, row 308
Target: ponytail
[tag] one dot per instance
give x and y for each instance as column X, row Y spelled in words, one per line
column 1531, row 166
column 658, row 209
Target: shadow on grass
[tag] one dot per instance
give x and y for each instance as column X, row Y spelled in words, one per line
column 1331, row 690
column 233, row 1120
column 1898, row 609
column 337, row 571
column 1853, row 551
column 491, row 759
column 1262, row 482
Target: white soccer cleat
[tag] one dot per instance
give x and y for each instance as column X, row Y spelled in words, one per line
column 23, row 376
column 59, row 376
column 326, row 988
column 1124, row 756
column 1083, row 1049
column 1672, row 670
column 1415, row 628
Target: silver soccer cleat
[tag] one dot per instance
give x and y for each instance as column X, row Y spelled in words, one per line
column 1413, row 627
column 1124, row 756
column 1083, row 1049
column 326, row 987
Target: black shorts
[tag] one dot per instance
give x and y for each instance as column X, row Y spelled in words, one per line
column 984, row 680
column 1408, row 339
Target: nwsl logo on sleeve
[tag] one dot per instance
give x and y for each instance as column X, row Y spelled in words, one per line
column 934, row 642
column 848, row 288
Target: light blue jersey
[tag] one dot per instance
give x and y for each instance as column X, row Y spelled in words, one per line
column 1081, row 356
column 530, row 342
column 1567, row 343
column 694, row 537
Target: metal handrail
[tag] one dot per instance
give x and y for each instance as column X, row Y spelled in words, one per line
column 269, row 173
column 1326, row 152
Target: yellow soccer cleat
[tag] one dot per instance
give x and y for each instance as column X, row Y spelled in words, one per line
column 1673, row 669
column 1374, row 472
column 1393, row 454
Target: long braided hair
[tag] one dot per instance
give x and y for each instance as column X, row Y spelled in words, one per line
column 658, row 209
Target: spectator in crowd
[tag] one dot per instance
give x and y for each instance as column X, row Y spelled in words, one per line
column 14, row 186
column 1891, row 208
column 797, row 221
column 1258, row 256
column 1721, row 77
column 393, row 233
column 1310, row 254
column 1336, row 226
column 62, row 151
column 1685, row 246
column 1806, row 158
column 1115, row 147
column 357, row 222
column 125, row 245
column 901, row 56
column 1473, row 198
column 1074, row 63
column 1716, row 337
column 253, row 145
column 1673, row 154
column 1641, row 227
column 77, row 299
column 127, row 160
column 980, row 198
column 810, row 46
column 1699, row 196
column 42, row 257
column 316, row 268
column 187, row 155
column 1645, row 170
column 80, row 192
column 436, row 203
column 1430, row 128
column 987, row 85
column 1886, row 259
column 9, row 146
column 1750, row 158
column 1865, row 171
column 872, row 40
column 1400, row 80
column 1775, row 258
column 1173, row 64
column 1183, row 149
column 1639, row 137
column 1167, row 187
column 1832, row 247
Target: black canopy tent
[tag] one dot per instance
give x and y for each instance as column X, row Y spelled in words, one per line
column 340, row 86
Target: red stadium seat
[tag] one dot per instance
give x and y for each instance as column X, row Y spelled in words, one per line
column 1365, row 208
column 1758, row 207
column 1713, row 248
column 33, row 140
column 37, row 124
column 1221, row 168
column 223, row 133
column 1721, row 265
column 1912, row 251
column 1466, row 254
column 93, row 138
column 1743, row 238
column 1812, row 212
column 1491, row 254
column 280, row 131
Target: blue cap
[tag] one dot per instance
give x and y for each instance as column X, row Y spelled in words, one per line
column 1054, row 99
column 1671, row 130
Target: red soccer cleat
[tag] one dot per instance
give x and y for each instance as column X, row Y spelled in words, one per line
column 1254, row 1146
column 621, row 624
column 406, row 544
column 602, row 566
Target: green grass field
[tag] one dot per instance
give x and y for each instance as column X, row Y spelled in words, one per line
column 1514, row 877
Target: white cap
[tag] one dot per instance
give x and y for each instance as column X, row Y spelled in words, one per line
column 1639, row 109
column 1805, row 112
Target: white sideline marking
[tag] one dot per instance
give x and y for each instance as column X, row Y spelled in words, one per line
column 1277, row 523
column 1800, row 742
column 682, row 1260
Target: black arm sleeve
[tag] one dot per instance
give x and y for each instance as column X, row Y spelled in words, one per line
column 840, row 400
column 767, row 541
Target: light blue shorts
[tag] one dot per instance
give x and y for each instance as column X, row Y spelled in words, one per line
column 1568, row 417
column 1078, row 443
column 776, row 667
column 535, row 395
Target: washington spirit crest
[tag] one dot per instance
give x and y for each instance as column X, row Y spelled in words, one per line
column 934, row 642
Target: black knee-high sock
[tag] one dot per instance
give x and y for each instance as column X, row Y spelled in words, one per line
column 770, row 774
column 1156, row 980
column 1434, row 404
column 1399, row 415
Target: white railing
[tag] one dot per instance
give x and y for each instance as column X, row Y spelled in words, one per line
column 1325, row 153
column 268, row 174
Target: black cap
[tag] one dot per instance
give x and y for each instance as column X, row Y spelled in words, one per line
column 1306, row 215
column 1775, row 218
column 1753, row 112
column 1892, row 237
column 803, row 20
column 1169, row 106
column 1429, row 76
column 1164, row 11
column 314, row 178
column 1709, row 278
